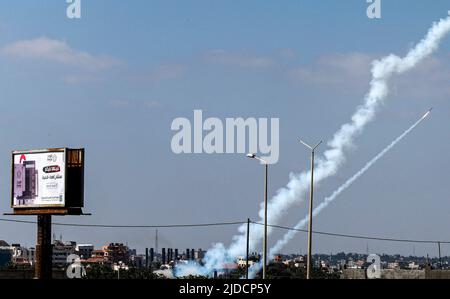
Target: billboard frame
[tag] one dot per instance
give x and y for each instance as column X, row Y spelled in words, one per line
column 73, row 194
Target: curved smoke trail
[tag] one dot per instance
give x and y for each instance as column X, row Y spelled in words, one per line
column 328, row 200
column 334, row 157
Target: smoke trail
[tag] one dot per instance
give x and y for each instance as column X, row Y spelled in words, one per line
column 334, row 157
column 328, row 200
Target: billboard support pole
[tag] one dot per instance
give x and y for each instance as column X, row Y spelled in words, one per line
column 44, row 250
column 248, row 247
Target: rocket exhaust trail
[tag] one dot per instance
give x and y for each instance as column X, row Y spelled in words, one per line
column 281, row 243
column 328, row 200
column 334, row 157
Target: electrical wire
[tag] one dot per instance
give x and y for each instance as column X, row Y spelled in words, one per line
column 129, row 226
column 229, row 224
column 357, row 236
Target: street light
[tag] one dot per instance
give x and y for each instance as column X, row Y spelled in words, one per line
column 311, row 196
column 118, row 269
column 266, row 166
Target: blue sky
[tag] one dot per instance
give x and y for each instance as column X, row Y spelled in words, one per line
column 113, row 82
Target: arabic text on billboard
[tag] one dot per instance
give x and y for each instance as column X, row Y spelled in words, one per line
column 38, row 179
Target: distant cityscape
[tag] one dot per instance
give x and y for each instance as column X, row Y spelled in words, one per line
column 119, row 257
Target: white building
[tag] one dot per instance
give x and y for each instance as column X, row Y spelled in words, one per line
column 394, row 265
column 242, row 262
column 413, row 266
column 61, row 251
column 23, row 255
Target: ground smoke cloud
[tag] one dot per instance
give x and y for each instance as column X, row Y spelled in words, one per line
column 334, row 156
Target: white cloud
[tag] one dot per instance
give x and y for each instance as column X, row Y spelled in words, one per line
column 336, row 71
column 430, row 80
column 44, row 48
column 350, row 73
column 238, row 59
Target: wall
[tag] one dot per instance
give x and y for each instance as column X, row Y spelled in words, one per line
column 398, row 274
column 27, row 274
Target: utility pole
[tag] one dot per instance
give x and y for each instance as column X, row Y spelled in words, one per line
column 266, row 167
column 440, row 258
column 248, row 247
column 156, row 243
column 311, row 196
column 265, row 221
column 43, row 267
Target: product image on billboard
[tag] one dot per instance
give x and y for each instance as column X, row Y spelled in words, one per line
column 38, row 179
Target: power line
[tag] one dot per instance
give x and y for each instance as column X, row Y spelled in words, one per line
column 229, row 224
column 130, row 226
column 358, row 236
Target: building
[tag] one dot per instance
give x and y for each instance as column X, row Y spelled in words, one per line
column 84, row 251
column 242, row 262
column 23, row 255
column 98, row 258
column 61, row 251
column 199, row 254
column 393, row 265
column 115, row 253
column 137, row 261
column 6, row 253
column 225, row 270
column 414, row 266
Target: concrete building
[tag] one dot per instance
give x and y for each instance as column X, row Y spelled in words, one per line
column 116, row 252
column 111, row 255
column 98, row 258
column 84, row 250
column 393, row 265
column 61, row 251
column 242, row 262
column 23, row 255
column 6, row 253
column 137, row 261
column 199, row 254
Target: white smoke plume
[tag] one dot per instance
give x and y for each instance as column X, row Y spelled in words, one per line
column 328, row 200
column 334, row 156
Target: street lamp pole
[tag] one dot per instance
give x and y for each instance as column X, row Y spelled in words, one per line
column 266, row 166
column 311, row 197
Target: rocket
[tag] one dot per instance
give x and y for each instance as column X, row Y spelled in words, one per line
column 427, row 113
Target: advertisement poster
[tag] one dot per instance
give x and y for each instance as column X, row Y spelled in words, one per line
column 38, row 179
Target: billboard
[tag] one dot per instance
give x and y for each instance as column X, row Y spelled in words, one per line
column 52, row 178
